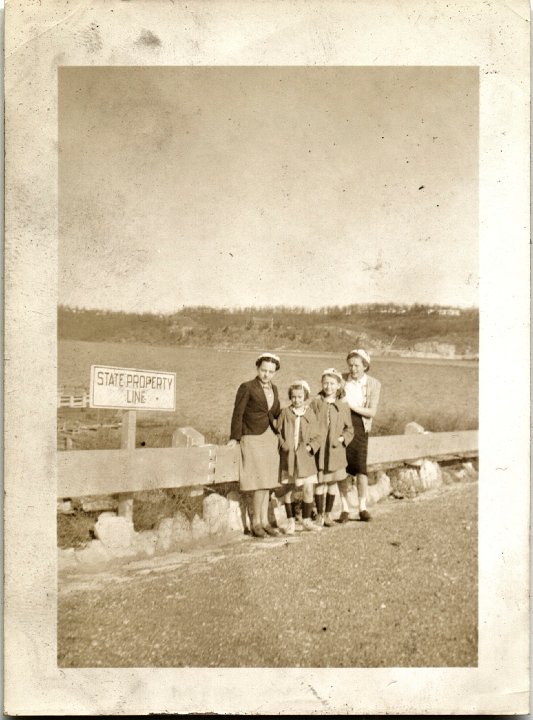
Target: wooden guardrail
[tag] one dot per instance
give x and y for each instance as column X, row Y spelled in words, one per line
column 103, row 472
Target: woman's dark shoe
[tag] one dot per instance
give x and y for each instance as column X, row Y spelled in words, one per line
column 272, row 531
column 364, row 515
column 257, row 531
column 343, row 517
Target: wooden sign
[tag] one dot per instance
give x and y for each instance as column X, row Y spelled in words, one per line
column 129, row 389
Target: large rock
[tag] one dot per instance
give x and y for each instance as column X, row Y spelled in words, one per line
column 470, row 471
column 98, row 503
column 199, row 528
column 115, row 533
column 447, row 477
column 66, row 559
column 145, row 543
column 64, row 507
column 187, row 437
column 215, row 513
column 93, row 554
column 383, row 485
column 381, row 489
column 165, row 534
column 430, row 475
column 413, row 428
column 372, row 495
column 181, row 528
column 458, row 474
column 237, row 512
column 405, row 482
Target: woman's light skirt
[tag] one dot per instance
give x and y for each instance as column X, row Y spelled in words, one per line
column 259, row 468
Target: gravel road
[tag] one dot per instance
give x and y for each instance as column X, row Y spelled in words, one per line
column 398, row 591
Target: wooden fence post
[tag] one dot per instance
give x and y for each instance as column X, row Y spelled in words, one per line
column 127, row 442
column 189, row 437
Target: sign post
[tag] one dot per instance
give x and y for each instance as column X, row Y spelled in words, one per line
column 127, row 442
column 130, row 390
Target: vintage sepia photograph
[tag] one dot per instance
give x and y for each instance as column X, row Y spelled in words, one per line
column 288, row 258
column 267, row 357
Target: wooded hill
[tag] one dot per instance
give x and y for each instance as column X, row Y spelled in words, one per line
column 382, row 328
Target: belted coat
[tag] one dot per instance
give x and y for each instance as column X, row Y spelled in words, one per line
column 332, row 454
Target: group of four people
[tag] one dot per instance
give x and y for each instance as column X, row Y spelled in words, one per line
column 313, row 444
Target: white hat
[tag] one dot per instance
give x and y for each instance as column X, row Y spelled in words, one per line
column 334, row 373
column 304, row 384
column 362, row 354
column 268, row 356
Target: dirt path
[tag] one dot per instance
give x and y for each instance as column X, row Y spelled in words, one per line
column 399, row 591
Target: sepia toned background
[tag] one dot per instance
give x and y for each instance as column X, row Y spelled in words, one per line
column 238, row 186
column 54, row 34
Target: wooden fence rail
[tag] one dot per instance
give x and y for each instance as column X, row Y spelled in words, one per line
column 103, row 472
column 73, row 401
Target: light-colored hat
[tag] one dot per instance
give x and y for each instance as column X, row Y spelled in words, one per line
column 303, row 383
column 333, row 373
column 362, row 354
column 269, row 356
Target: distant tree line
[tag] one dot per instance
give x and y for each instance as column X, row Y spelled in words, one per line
column 273, row 310
column 377, row 326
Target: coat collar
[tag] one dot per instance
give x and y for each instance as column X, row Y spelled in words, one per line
column 335, row 403
column 259, row 387
column 305, row 416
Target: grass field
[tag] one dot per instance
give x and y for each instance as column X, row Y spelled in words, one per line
column 439, row 394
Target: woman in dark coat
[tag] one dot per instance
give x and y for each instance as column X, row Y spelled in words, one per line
column 253, row 426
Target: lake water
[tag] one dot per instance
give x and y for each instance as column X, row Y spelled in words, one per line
column 439, row 394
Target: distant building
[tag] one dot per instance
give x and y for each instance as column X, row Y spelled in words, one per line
column 435, row 348
column 182, row 325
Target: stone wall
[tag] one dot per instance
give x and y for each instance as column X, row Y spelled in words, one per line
column 224, row 518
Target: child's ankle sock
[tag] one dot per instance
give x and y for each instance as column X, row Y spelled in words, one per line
column 362, row 504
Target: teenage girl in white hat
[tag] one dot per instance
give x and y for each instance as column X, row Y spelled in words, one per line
column 362, row 397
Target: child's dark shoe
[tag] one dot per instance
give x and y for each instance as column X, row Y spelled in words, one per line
column 257, row 531
column 328, row 522
column 364, row 515
column 343, row 517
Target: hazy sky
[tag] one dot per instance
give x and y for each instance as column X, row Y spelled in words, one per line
column 234, row 186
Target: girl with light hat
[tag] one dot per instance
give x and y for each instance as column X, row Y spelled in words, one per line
column 253, row 426
column 299, row 438
column 362, row 393
column 336, row 433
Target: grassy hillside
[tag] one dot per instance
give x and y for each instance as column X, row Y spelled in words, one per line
column 381, row 328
